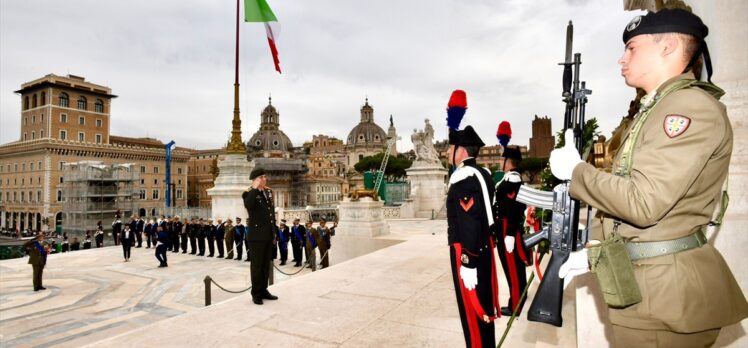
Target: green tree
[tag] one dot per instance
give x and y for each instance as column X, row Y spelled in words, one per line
column 531, row 167
column 396, row 165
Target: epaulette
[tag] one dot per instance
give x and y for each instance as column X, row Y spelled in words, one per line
column 513, row 177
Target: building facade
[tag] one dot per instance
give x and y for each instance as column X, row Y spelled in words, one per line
column 67, row 120
column 542, row 140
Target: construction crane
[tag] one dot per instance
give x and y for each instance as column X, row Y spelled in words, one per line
column 390, row 142
column 168, row 172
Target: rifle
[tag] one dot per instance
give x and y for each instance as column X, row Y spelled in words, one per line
column 563, row 233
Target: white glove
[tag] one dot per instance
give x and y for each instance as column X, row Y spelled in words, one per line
column 509, row 243
column 469, row 277
column 564, row 160
column 576, row 264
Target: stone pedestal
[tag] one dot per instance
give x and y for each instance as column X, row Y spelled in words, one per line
column 232, row 180
column 427, row 188
column 362, row 218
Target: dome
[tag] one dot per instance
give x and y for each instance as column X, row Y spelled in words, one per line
column 269, row 138
column 367, row 133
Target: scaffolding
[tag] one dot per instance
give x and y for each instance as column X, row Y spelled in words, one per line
column 94, row 192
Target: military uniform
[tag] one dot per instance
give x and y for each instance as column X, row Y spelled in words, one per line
column 324, row 243
column 37, row 260
column 509, row 218
column 261, row 210
column 469, row 218
column 298, row 236
column 228, row 237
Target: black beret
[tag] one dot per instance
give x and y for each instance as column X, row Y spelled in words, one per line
column 666, row 21
column 512, row 152
column 256, row 172
column 465, row 137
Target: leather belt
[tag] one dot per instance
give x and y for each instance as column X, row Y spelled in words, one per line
column 645, row 250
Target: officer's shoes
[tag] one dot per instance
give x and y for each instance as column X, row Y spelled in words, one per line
column 506, row 311
column 257, row 300
column 268, row 296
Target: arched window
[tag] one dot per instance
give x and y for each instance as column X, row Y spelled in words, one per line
column 33, row 101
column 43, row 99
column 26, row 103
column 64, row 100
column 99, row 106
column 82, row 103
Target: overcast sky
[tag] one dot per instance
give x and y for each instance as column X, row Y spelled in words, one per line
column 172, row 63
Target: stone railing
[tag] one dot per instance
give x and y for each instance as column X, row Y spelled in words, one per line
column 391, row 212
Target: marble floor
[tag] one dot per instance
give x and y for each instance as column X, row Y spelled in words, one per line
column 397, row 292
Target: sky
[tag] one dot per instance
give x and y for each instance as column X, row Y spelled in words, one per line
column 171, row 63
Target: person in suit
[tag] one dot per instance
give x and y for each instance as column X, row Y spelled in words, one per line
column 219, row 237
column 239, row 234
column 37, row 259
column 133, row 227
column 284, row 234
column 149, row 232
column 298, row 236
column 99, row 236
column 200, row 233
column 127, row 238
column 210, row 234
column 162, row 245
column 139, row 226
column 116, row 228
column 258, row 201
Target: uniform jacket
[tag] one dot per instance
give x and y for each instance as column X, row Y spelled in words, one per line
column 283, row 236
column 240, row 232
column 312, row 236
column 261, row 214
column 466, row 211
column 219, row 231
column 130, row 239
column 36, row 257
column 671, row 192
column 325, row 234
column 140, row 225
column 509, row 215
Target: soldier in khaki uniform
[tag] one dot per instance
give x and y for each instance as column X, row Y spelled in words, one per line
column 666, row 183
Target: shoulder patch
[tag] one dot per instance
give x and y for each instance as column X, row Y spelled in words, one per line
column 676, row 125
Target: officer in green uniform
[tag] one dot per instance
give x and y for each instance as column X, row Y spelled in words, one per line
column 666, row 183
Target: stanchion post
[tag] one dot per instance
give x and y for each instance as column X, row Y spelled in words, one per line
column 207, row 281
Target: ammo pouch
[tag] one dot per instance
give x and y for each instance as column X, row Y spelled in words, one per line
column 615, row 272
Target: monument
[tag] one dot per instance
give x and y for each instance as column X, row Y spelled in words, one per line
column 427, row 177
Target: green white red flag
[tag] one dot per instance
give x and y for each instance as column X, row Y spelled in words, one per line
column 259, row 11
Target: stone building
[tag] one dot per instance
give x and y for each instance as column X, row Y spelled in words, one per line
column 542, row 140
column 366, row 138
column 202, row 170
column 66, row 119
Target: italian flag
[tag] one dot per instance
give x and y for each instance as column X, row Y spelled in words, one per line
column 259, row 11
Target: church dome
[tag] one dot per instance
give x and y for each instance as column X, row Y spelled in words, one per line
column 367, row 133
column 269, row 138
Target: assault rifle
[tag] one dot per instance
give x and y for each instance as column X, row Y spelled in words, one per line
column 563, row 233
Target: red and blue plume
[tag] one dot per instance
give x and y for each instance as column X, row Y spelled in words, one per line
column 504, row 133
column 456, row 108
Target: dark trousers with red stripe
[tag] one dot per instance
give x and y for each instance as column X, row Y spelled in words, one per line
column 470, row 322
column 514, row 270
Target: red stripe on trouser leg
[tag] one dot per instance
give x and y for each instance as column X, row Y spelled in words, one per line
column 470, row 316
column 512, row 272
column 494, row 282
column 519, row 248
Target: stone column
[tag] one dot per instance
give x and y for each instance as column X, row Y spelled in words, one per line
column 362, row 218
column 232, row 180
column 427, row 189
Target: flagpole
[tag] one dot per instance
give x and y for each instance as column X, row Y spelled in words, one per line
column 236, row 146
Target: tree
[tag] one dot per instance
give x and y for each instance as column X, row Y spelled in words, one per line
column 532, row 166
column 395, row 169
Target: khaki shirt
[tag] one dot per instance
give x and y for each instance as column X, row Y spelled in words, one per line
column 672, row 192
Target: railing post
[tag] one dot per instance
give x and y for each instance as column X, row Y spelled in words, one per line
column 207, row 281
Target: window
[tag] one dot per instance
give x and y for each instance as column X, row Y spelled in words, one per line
column 64, row 100
column 31, row 196
column 31, row 166
column 40, row 165
column 26, row 103
column 155, row 194
column 62, row 164
column 179, row 170
column 155, row 169
column 98, row 123
column 33, row 101
column 59, row 195
column 43, row 99
column 360, row 157
column 41, row 118
column 25, row 136
column 63, row 135
column 142, row 169
column 23, row 196
column 99, row 106
column 142, row 181
column 62, row 179
column 15, row 197
column 33, row 135
column 81, row 120
column 41, row 133
column 155, row 181
column 63, row 118
column 179, row 182
column 82, row 103
column 33, row 119
column 25, row 120
column 179, row 194
column 81, row 136
column 142, row 194
column 98, row 138
column 38, row 196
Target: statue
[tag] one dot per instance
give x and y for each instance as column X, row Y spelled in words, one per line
column 423, row 145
